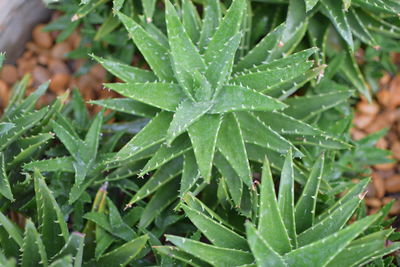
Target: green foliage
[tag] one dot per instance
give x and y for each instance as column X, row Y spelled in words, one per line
column 283, row 233
column 224, row 85
column 209, row 100
column 51, row 242
column 340, row 28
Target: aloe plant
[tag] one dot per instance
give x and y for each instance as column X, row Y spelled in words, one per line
column 207, row 98
column 285, row 232
column 339, row 28
column 217, row 101
column 24, row 134
column 49, row 243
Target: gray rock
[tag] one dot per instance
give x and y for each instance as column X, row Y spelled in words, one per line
column 17, row 19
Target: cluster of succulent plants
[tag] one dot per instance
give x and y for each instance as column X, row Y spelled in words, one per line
column 237, row 98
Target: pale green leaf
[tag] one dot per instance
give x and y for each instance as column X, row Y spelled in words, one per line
column 324, row 250
column 73, row 246
column 190, row 172
column 286, row 198
column 231, row 145
column 148, row 7
column 361, row 249
column 237, row 98
column 62, row 164
column 212, row 17
column 125, row 72
column 264, row 254
column 265, row 80
column 355, row 191
column 156, row 54
column 117, row 4
column 185, row 57
column 261, row 51
column 305, row 107
column 336, row 13
column 218, row 234
column 5, row 188
column 331, row 224
column 186, row 114
column 191, row 20
column 203, row 135
column 174, row 252
column 162, row 176
column 33, row 252
column 220, row 68
column 22, row 124
column 127, row 105
column 220, row 50
column 13, row 230
column 305, row 206
column 310, row 4
column 256, row 132
column 233, row 181
column 164, row 196
column 122, row 255
column 166, row 96
column 216, row 256
column 270, row 224
column 153, row 133
column 92, row 137
column 53, row 227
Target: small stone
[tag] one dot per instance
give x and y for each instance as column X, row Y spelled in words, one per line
column 395, row 147
column 98, row 72
column 368, row 108
column 74, row 40
column 33, row 47
column 27, row 55
column 361, row 121
column 377, row 181
column 85, row 82
column 383, row 97
column 59, row 83
column 392, row 184
column 41, row 38
column 26, row 65
column 9, row 74
column 4, row 94
column 40, row 74
column 371, row 192
column 43, row 59
column 394, row 89
column 385, row 80
column 382, row 120
column 77, row 64
column 373, row 202
column 58, row 66
column 385, row 166
column 60, row 49
column 395, row 208
column 382, row 143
